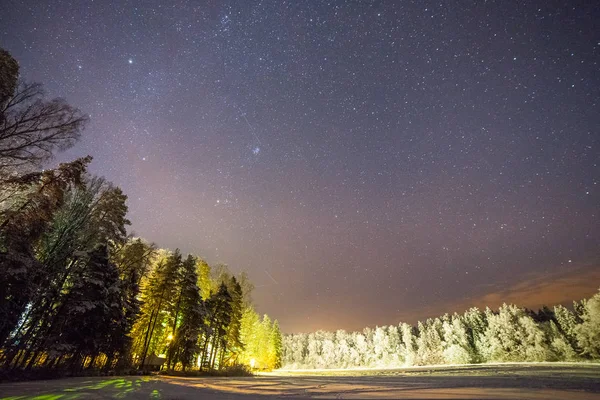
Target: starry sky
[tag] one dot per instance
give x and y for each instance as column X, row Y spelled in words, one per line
column 366, row 162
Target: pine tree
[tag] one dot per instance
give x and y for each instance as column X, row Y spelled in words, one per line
column 249, row 325
column 85, row 321
column 72, row 230
column 205, row 282
column 158, row 300
column 185, row 342
column 276, row 343
column 234, row 345
column 24, row 220
column 219, row 311
column 133, row 261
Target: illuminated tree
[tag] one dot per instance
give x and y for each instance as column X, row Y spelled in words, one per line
column 512, row 335
column 78, row 226
column 588, row 332
column 476, row 324
column 559, row 348
column 70, row 280
column 75, row 230
column 249, row 326
column 410, row 345
column 270, row 339
column 233, row 344
column 387, row 347
column 313, row 350
column 342, row 349
column 219, row 317
column 429, row 342
column 327, row 357
column 566, row 322
column 24, row 219
column 295, row 350
column 205, row 282
column 184, row 346
column 276, row 345
column 354, row 358
column 150, row 332
column 133, row 259
column 457, row 346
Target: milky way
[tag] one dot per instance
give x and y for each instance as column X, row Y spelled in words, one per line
column 364, row 162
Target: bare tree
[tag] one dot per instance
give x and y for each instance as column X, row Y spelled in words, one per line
column 31, row 127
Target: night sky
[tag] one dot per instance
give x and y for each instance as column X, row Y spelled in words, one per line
column 365, row 162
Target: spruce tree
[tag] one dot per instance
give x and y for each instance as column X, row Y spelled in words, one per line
column 158, row 302
column 23, row 221
column 219, row 317
column 184, row 345
column 276, row 343
column 85, row 322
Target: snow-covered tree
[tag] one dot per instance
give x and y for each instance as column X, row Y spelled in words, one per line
column 184, row 346
column 410, row 344
column 566, row 321
column 89, row 314
column 588, row 332
column 429, row 342
column 457, row 346
column 512, row 335
column 559, row 347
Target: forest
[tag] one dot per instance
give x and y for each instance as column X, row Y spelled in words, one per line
column 77, row 293
column 510, row 334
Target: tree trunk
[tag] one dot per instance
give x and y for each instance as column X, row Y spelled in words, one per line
column 171, row 344
column 222, row 357
column 148, row 338
column 92, row 361
column 213, row 351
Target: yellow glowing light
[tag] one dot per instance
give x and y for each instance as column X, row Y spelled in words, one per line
column 252, row 363
column 170, row 337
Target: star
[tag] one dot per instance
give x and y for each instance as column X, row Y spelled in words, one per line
column 447, row 137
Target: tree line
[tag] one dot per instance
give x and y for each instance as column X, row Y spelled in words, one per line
column 510, row 334
column 76, row 292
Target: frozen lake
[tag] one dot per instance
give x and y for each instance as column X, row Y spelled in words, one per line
column 522, row 381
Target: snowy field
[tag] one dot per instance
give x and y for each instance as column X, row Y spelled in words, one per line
column 514, row 381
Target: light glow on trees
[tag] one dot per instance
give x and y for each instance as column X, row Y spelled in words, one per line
column 510, row 334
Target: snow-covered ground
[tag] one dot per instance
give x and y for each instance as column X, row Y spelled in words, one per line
column 516, row 381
